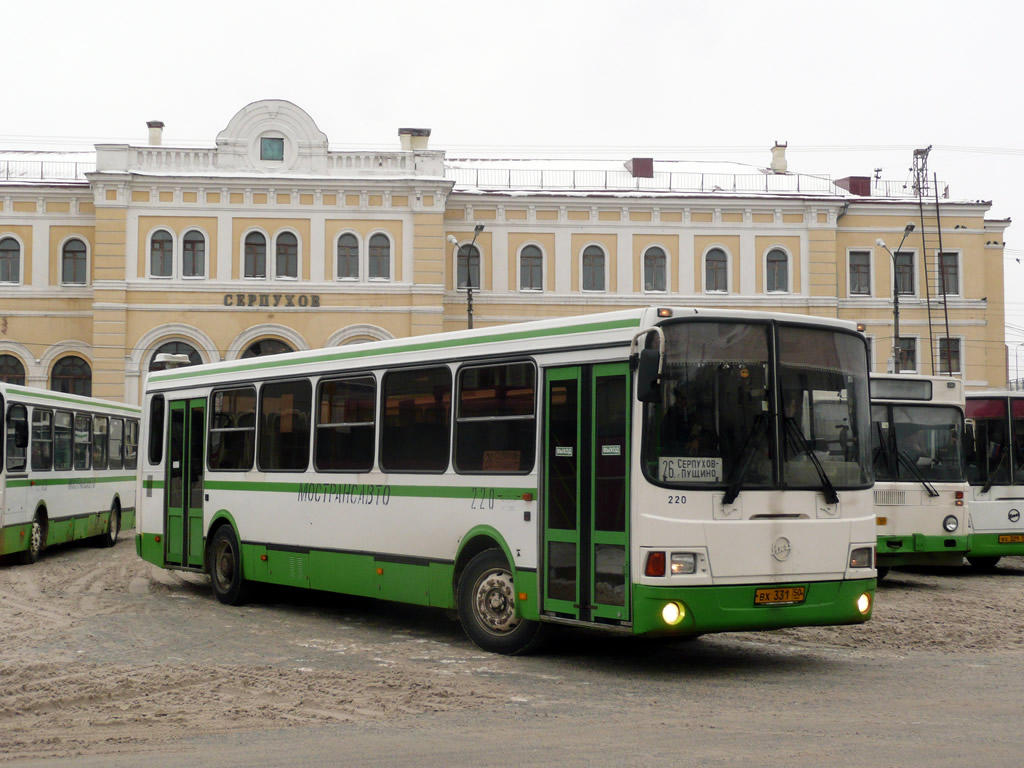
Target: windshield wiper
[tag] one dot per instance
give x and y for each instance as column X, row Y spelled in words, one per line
column 757, row 434
column 904, row 458
column 992, row 475
column 797, row 436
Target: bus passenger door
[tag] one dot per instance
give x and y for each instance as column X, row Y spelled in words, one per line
column 183, row 522
column 586, row 493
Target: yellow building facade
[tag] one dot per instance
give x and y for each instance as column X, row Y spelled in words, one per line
column 268, row 240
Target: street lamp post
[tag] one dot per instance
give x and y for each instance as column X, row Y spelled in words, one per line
column 1016, row 366
column 469, row 273
column 896, row 296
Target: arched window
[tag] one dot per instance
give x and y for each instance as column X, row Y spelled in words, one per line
column 716, row 271
column 73, row 263
column 193, row 254
column 255, row 255
column 174, row 348
column 380, row 258
column 10, row 260
column 287, row 253
column 11, row 370
column 467, row 267
column 72, row 375
column 266, row 347
column 348, row 257
column 531, row 269
column 593, row 268
column 161, row 254
column 654, row 269
column 777, row 271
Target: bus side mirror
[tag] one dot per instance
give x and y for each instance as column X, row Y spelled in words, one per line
column 647, row 376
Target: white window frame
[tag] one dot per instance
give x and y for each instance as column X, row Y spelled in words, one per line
column 959, row 269
column 871, row 273
column 917, row 353
column 455, row 263
column 21, row 260
column 704, row 270
column 88, row 260
column 789, row 270
column 179, row 261
column 268, row 256
column 272, row 256
column 940, row 370
column 361, row 249
column 364, row 264
column 607, row 259
column 519, row 267
column 917, row 272
column 643, row 269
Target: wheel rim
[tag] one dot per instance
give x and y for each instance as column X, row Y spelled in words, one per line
column 35, row 537
column 494, row 602
column 224, row 565
column 115, row 525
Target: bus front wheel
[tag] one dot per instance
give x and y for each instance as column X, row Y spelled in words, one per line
column 487, row 607
column 36, row 536
column 983, row 564
column 224, row 564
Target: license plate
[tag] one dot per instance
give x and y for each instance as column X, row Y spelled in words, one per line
column 779, row 595
column 1012, row 538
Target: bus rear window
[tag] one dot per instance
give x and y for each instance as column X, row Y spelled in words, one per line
column 233, row 429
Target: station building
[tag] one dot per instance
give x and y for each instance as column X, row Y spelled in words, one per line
column 267, row 240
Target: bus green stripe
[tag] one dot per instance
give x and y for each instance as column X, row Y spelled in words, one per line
column 354, row 489
column 27, row 482
column 275, row 362
column 80, row 401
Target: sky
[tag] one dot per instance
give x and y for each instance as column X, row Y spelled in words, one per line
column 850, row 87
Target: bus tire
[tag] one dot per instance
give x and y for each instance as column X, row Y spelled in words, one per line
column 487, row 607
column 983, row 564
column 224, row 564
column 36, row 540
column 109, row 538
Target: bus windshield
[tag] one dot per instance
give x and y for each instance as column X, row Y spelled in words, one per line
column 722, row 421
column 994, row 457
column 917, row 443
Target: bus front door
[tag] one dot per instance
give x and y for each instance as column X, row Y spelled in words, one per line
column 586, row 493
column 183, row 515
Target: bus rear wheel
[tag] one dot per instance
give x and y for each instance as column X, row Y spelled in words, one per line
column 109, row 538
column 984, row 564
column 224, row 564
column 36, row 537
column 487, row 607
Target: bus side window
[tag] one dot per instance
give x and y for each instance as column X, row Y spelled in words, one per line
column 284, row 425
column 345, row 425
column 83, row 440
column 232, row 447
column 131, row 444
column 62, row 422
column 156, row 429
column 416, row 419
column 495, row 424
column 42, row 439
column 115, row 438
column 99, row 442
column 17, row 438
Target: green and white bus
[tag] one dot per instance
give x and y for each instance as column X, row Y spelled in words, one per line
column 917, row 440
column 995, row 469
column 68, row 470
column 624, row 471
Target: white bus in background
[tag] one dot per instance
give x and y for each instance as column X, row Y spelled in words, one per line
column 618, row 471
column 995, row 469
column 917, row 452
column 67, row 470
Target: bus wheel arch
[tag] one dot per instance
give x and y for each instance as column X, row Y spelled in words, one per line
column 486, row 602
column 224, row 564
column 37, row 533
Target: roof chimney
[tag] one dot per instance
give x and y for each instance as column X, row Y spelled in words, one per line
column 414, row 138
column 779, row 164
column 156, row 132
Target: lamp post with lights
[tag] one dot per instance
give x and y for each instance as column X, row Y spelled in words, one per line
column 896, row 296
column 469, row 273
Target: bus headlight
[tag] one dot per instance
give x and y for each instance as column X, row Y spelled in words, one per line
column 861, row 557
column 683, row 562
column 673, row 613
column 950, row 523
column 864, row 604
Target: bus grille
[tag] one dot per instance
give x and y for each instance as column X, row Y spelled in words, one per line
column 890, row 498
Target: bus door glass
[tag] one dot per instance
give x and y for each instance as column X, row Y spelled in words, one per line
column 586, row 493
column 186, row 437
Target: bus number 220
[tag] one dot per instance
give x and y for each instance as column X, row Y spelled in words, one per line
column 483, row 498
